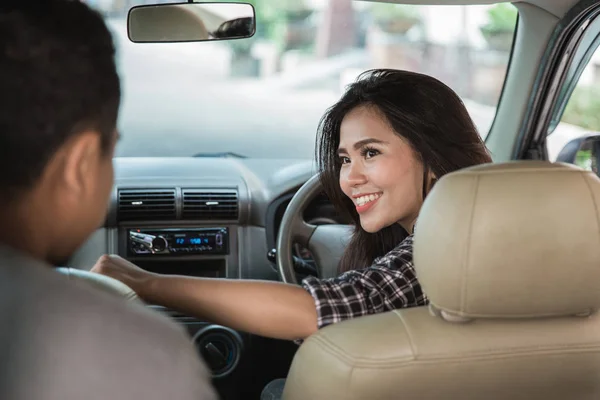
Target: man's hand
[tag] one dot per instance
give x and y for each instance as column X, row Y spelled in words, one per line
column 130, row 274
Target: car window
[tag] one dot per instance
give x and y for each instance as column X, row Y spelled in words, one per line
column 264, row 96
column 577, row 109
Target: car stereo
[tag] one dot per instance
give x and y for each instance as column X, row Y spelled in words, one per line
column 175, row 242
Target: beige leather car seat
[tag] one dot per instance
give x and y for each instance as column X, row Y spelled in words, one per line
column 509, row 256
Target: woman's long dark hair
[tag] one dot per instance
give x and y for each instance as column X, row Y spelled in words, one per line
column 420, row 109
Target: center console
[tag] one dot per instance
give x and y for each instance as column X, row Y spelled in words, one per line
column 198, row 251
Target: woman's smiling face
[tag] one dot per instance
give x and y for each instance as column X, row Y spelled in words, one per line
column 380, row 171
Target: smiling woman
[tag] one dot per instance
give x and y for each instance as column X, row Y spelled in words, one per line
column 380, row 154
column 179, row 97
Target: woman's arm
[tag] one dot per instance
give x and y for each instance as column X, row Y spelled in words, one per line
column 276, row 309
column 265, row 308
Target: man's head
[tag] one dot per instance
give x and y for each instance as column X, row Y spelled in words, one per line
column 59, row 96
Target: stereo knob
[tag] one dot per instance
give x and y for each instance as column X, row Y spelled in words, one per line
column 159, row 244
column 220, row 347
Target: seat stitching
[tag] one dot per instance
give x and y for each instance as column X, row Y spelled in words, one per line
column 364, row 362
column 465, row 269
column 408, row 334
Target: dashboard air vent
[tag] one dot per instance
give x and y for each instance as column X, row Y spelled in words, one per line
column 147, row 204
column 210, row 205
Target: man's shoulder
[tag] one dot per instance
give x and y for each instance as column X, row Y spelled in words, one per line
column 111, row 347
column 41, row 290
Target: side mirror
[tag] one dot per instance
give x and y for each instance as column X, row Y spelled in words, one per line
column 583, row 152
column 190, row 22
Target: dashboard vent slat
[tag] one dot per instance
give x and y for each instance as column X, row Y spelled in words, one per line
column 147, row 204
column 210, row 205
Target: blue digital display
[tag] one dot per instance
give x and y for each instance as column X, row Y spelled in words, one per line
column 184, row 241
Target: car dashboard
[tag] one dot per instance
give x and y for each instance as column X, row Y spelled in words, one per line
column 245, row 198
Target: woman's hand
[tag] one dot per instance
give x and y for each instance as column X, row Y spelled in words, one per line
column 130, row 274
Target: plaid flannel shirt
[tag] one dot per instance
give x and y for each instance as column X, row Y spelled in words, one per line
column 388, row 284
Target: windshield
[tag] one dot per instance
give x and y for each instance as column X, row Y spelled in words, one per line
column 263, row 97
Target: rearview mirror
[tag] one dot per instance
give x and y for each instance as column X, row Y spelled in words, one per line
column 190, row 22
column 583, row 152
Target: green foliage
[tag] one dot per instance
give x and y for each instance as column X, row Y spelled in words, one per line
column 501, row 18
column 583, row 108
column 583, row 159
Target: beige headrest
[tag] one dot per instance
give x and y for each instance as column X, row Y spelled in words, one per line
column 519, row 239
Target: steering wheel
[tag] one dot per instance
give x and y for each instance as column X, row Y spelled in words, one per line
column 325, row 242
column 102, row 282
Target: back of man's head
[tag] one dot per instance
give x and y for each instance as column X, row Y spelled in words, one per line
column 60, row 95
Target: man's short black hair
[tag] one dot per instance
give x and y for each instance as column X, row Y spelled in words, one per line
column 57, row 78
